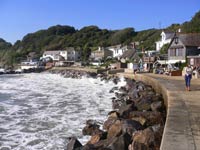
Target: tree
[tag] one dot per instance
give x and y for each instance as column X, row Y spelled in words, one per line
column 86, row 52
column 164, row 49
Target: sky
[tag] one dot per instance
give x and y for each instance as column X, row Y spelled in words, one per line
column 20, row 17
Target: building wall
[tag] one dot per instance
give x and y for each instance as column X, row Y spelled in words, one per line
column 176, row 52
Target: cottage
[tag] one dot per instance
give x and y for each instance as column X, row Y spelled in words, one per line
column 100, row 54
column 118, row 50
column 132, row 59
column 130, row 55
column 31, row 62
column 166, row 38
column 70, row 54
column 183, row 45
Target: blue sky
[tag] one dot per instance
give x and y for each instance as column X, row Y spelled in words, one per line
column 19, row 17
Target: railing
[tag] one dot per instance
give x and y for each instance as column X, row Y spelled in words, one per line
column 148, row 59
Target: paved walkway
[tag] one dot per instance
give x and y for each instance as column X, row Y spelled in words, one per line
column 182, row 128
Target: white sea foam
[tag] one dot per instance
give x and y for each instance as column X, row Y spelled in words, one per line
column 39, row 111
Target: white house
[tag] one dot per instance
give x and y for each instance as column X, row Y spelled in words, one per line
column 118, row 50
column 166, row 38
column 70, row 54
column 25, row 65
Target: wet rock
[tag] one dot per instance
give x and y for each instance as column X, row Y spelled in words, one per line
column 140, row 119
column 115, row 129
column 73, row 144
column 91, row 128
column 116, row 143
column 144, row 139
column 152, row 118
column 120, row 143
column 115, row 80
column 120, row 95
column 148, row 94
column 113, row 89
column 130, row 84
column 97, row 137
column 156, row 106
column 124, row 111
column 116, row 103
column 129, row 126
column 144, row 104
column 138, row 146
column 123, row 89
column 158, row 132
column 109, row 122
column 157, row 97
column 133, row 93
column 113, row 114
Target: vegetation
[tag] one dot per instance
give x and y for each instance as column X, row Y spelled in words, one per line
column 86, row 39
column 163, row 50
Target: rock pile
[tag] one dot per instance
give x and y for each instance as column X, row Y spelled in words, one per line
column 136, row 122
column 77, row 74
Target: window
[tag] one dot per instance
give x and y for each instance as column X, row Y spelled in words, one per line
column 172, row 52
column 179, row 52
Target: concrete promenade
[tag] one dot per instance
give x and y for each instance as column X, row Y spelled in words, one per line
column 182, row 127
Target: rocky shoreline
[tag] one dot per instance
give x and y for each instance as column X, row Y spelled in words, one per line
column 136, row 122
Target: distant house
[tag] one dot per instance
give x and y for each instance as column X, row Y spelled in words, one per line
column 25, row 65
column 55, row 55
column 166, row 38
column 31, row 61
column 101, row 53
column 70, row 54
column 130, row 55
column 183, row 45
column 118, row 50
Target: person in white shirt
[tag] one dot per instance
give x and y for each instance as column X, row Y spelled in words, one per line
column 188, row 76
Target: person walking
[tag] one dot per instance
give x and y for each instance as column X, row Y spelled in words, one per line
column 188, row 76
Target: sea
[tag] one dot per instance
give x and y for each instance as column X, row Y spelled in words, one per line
column 40, row 111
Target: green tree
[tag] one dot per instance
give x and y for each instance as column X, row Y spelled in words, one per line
column 164, row 49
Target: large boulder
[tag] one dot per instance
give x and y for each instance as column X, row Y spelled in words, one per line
column 73, row 144
column 157, row 106
column 158, row 132
column 115, row 129
column 125, row 110
column 117, row 103
column 130, row 84
column 133, row 93
column 91, row 128
column 97, row 137
column 109, row 122
column 143, row 140
column 130, row 126
column 144, row 104
column 152, row 117
column 120, row 143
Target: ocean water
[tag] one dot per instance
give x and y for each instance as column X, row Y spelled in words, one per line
column 40, row 111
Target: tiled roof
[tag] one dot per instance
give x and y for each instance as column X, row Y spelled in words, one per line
column 191, row 39
column 53, row 52
column 129, row 54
